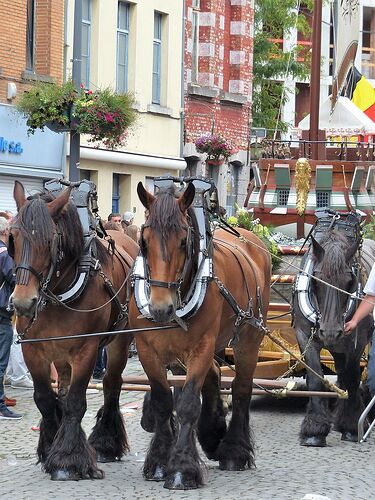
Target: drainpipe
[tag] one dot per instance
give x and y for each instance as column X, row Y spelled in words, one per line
column 182, row 111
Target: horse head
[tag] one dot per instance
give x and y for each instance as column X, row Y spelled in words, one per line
column 333, row 256
column 33, row 245
column 166, row 245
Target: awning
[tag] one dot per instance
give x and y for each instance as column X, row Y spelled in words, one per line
column 133, row 159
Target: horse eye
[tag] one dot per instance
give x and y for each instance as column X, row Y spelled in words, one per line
column 183, row 243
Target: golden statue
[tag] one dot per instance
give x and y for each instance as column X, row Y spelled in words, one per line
column 303, row 177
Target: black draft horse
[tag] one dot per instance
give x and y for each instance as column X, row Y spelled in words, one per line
column 169, row 243
column 47, row 236
column 332, row 261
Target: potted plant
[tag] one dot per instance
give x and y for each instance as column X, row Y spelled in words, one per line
column 216, row 147
column 102, row 114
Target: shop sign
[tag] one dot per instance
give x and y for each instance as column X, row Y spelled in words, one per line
column 12, row 147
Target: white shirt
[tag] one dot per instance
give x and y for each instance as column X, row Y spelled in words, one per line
column 370, row 285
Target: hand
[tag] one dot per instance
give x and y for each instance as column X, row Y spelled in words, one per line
column 350, row 325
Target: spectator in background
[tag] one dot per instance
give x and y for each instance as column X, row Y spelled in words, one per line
column 115, row 217
column 7, row 282
column 127, row 220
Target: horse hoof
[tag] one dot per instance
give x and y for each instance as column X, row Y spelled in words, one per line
column 231, row 465
column 106, row 459
column 349, row 436
column 64, row 475
column 317, row 441
column 158, row 475
column 177, row 482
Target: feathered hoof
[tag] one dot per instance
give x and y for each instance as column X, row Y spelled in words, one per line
column 231, row 465
column 349, row 436
column 64, row 475
column 315, row 441
column 177, row 481
column 105, row 459
column 158, row 475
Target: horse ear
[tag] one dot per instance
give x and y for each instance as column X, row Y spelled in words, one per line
column 318, row 250
column 145, row 197
column 19, row 194
column 350, row 252
column 187, row 198
column 56, row 206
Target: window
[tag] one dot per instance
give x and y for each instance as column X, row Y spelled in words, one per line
column 122, row 46
column 323, row 199
column 195, row 42
column 282, row 197
column 116, row 193
column 30, row 34
column 156, row 69
column 86, row 42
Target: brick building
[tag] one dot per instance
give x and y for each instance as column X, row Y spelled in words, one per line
column 218, row 75
column 31, row 49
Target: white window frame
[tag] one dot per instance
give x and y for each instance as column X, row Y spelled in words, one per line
column 156, row 58
column 123, row 34
column 86, row 24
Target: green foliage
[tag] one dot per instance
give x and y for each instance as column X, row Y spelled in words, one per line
column 46, row 102
column 274, row 20
column 369, row 228
column 245, row 220
column 103, row 114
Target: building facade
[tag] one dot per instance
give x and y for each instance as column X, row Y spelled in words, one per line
column 31, row 49
column 218, row 75
column 133, row 46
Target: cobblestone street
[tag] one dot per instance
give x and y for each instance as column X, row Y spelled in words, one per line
column 285, row 470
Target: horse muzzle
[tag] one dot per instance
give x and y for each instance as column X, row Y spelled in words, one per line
column 162, row 313
column 330, row 336
column 25, row 306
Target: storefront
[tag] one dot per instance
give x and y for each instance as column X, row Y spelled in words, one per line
column 29, row 159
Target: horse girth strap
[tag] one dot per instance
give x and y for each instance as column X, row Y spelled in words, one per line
column 123, row 314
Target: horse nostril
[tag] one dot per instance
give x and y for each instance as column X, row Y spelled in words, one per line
column 25, row 307
column 170, row 310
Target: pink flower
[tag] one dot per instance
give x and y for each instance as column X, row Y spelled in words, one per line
column 108, row 117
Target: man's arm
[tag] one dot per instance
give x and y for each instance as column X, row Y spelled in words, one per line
column 365, row 308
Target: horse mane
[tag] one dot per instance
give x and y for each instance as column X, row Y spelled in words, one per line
column 36, row 225
column 334, row 262
column 166, row 218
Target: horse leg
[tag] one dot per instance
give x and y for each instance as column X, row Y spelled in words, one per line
column 236, row 450
column 211, row 424
column 316, row 424
column 348, row 410
column 71, row 457
column 45, row 399
column 184, row 470
column 108, row 437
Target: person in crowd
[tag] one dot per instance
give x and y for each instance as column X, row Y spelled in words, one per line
column 127, row 220
column 7, row 282
column 365, row 308
column 115, row 217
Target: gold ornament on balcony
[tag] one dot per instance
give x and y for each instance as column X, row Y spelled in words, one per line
column 303, row 178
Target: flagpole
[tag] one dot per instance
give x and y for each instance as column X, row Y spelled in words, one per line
column 315, row 79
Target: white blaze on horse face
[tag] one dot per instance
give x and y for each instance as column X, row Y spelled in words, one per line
column 165, row 267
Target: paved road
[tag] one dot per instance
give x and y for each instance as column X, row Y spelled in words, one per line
column 285, row 471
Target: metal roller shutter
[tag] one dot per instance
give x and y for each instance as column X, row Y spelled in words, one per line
column 32, row 185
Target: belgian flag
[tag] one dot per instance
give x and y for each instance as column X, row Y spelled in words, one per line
column 360, row 91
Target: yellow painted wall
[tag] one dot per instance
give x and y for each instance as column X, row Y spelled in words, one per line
column 101, row 174
column 154, row 133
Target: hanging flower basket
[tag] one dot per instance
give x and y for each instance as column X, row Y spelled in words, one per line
column 216, row 147
column 103, row 114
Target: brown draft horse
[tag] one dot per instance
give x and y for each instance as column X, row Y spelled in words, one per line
column 242, row 268
column 47, row 239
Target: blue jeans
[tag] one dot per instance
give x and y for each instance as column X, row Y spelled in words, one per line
column 6, row 339
column 371, row 367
